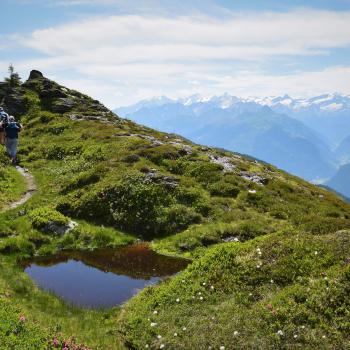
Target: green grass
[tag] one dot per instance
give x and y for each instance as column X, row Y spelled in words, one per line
column 12, row 185
column 120, row 182
column 244, row 295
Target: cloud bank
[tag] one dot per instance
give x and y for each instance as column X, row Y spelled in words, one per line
column 127, row 57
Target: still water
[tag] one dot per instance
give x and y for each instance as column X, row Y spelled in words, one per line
column 102, row 278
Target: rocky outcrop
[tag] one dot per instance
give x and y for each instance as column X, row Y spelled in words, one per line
column 63, row 105
column 15, row 102
column 225, row 162
column 35, row 74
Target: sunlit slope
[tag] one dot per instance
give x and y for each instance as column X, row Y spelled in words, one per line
column 266, row 245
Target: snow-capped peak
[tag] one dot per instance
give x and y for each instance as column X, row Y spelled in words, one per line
column 285, row 104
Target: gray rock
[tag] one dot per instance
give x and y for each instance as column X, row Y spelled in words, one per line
column 53, row 93
column 225, row 162
column 62, row 105
column 58, row 228
column 258, row 179
column 231, row 239
column 167, row 181
column 184, row 149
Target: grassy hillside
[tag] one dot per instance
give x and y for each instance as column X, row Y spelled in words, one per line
column 270, row 251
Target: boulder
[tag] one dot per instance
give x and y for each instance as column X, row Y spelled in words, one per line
column 62, row 105
column 58, row 228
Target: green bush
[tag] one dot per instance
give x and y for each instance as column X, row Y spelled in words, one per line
column 137, row 204
column 223, row 189
column 16, row 245
column 41, row 217
column 204, row 172
column 178, row 217
column 94, row 153
column 83, row 179
column 58, row 152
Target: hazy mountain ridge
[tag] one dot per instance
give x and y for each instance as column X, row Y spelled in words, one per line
column 341, row 180
column 305, row 136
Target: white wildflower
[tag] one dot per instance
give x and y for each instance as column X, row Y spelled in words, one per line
column 295, row 336
column 178, row 300
column 211, row 287
column 271, row 281
column 316, row 252
column 161, row 346
column 222, row 347
column 184, row 328
column 159, row 336
column 235, row 333
column 153, row 324
column 279, row 332
column 204, row 283
column 323, row 336
column 175, row 334
column 155, row 312
column 201, row 298
column 146, row 346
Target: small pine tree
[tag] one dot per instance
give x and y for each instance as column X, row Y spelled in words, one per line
column 14, row 79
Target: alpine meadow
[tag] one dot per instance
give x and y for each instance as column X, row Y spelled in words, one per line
column 269, row 252
column 219, row 221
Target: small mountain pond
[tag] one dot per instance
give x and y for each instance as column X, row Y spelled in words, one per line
column 102, row 278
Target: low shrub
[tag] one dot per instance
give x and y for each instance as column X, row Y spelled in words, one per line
column 223, row 189
column 42, row 216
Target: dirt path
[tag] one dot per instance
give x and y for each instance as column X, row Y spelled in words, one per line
column 31, row 188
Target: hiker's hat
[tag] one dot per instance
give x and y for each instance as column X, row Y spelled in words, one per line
column 12, row 118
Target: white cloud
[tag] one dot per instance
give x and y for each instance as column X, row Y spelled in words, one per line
column 120, row 59
column 268, row 33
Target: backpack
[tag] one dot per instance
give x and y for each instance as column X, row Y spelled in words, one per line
column 4, row 117
column 12, row 130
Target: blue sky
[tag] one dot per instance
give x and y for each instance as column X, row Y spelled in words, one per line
column 122, row 51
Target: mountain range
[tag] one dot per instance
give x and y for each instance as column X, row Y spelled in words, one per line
column 307, row 137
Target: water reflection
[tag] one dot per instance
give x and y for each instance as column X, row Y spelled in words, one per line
column 102, row 278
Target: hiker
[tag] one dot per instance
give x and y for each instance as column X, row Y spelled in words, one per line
column 3, row 121
column 12, row 128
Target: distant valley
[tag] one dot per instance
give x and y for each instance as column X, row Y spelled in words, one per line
column 306, row 137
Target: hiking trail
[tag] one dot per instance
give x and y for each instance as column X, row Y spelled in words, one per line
column 31, row 189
